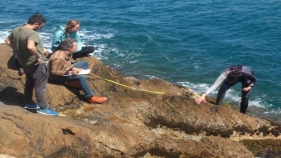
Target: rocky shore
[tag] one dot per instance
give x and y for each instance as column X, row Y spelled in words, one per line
column 142, row 118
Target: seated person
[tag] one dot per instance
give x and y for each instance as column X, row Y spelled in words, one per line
column 71, row 31
column 61, row 69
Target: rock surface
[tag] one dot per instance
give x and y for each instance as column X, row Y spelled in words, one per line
column 136, row 121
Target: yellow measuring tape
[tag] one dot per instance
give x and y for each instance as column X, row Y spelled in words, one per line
column 136, row 89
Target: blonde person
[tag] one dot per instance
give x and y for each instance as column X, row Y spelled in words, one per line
column 71, row 30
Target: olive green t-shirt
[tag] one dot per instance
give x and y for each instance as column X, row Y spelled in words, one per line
column 19, row 38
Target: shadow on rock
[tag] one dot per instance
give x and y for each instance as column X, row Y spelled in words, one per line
column 9, row 94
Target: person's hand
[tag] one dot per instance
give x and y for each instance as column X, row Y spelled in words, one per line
column 76, row 69
column 247, row 89
column 38, row 61
column 200, row 99
column 73, row 72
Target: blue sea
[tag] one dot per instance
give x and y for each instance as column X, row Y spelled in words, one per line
column 185, row 42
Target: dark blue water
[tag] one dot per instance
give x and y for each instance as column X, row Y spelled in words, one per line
column 188, row 43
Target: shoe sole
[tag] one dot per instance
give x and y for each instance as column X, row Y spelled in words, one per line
column 31, row 108
column 46, row 113
column 98, row 102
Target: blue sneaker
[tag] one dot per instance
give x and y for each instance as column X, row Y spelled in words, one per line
column 48, row 111
column 32, row 106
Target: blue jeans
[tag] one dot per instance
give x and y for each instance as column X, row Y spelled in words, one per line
column 81, row 65
column 80, row 78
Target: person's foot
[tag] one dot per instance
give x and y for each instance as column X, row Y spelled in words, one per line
column 73, row 84
column 21, row 71
column 32, row 106
column 48, row 111
column 98, row 100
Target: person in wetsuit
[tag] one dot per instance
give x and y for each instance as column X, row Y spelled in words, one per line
column 231, row 76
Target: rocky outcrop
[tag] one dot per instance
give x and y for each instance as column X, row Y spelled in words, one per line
column 142, row 118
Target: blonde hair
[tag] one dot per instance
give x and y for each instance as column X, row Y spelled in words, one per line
column 69, row 25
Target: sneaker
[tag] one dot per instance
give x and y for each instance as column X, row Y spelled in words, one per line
column 73, row 84
column 21, row 71
column 48, row 111
column 32, row 106
column 98, row 100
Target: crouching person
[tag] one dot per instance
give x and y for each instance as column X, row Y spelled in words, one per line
column 62, row 71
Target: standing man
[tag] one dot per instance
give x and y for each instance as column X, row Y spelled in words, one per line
column 231, row 76
column 26, row 42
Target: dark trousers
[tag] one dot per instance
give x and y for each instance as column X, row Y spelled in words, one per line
column 244, row 98
column 85, row 51
column 37, row 78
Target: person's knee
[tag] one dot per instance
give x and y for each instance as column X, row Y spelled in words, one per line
column 81, row 77
column 85, row 63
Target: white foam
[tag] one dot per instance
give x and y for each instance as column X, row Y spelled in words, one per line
column 275, row 111
column 46, row 39
column 101, row 50
column 150, row 76
column 90, row 35
column 3, row 35
column 134, row 61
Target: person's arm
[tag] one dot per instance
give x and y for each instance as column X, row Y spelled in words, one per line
column 79, row 42
column 56, row 66
column 219, row 80
column 57, row 40
column 252, row 80
column 33, row 50
column 8, row 41
column 74, row 71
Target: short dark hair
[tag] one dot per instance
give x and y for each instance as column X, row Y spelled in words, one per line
column 36, row 18
column 67, row 43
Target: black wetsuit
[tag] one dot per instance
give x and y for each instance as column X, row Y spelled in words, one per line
column 247, row 79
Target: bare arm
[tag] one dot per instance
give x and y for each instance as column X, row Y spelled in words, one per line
column 8, row 41
column 251, row 79
column 33, row 50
